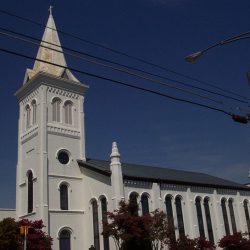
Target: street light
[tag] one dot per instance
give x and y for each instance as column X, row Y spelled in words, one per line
column 193, row 57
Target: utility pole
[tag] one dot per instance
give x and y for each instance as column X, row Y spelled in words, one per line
column 24, row 230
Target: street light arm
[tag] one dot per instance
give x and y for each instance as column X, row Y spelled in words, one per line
column 196, row 55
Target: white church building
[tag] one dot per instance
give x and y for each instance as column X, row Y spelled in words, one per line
column 56, row 182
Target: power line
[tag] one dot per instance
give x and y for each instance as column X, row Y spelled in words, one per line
column 121, row 70
column 122, row 53
column 114, row 68
column 120, row 82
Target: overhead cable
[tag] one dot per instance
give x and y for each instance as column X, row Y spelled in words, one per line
column 112, row 62
column 115, row 68
column 120, row 82
column 122, row 53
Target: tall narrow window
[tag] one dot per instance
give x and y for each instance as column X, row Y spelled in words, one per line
column 245, row 204
column 64, row 240
column 133, row 201
column 56, row 112
column 225, row 217
column 179, row 216
column 95, row 225
column 144, row 204
column 68, row 112
column 30, row 192
column 170, row 217
column 104, row 220
column 209, row 221
column 64, row 197
column 34, row 110
column 199, row 216
column 27, row 116
column 231, row 212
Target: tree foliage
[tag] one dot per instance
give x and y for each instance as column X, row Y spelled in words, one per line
column 131, row 231
column 237, row 241
column 185, row 243
column 11, row 239
column 151, row 231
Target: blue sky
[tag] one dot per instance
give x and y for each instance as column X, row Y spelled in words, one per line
column 148, row 129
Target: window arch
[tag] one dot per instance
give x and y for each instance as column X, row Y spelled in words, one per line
column 27, row 109
column 104, row 220
column 56, row 109
column 64, row 240
column 34, row 112
column 95, row 224
column 30, row 191
column 225, row 217
column 245, row 204
column 64, row 197
column 144, row 203
column 133, row 200
column 170, row 216
column 179, row 216
column 231, row 212
column 199, row 216
column 68, row 105
column 208, row 220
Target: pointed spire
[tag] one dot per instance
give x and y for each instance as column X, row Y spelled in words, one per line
column 50, row 10
column 115, row 156
column 50, row 43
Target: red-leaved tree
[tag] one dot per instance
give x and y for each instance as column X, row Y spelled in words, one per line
column 131, row 231
column 237, row 241
column 126, row 227
column 10, row 237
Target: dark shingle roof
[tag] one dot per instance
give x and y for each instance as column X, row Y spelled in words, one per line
column 159, row 174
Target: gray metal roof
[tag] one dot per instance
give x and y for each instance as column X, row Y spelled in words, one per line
column 160, row 174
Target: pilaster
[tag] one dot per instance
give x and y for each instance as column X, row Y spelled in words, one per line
column 116, row 176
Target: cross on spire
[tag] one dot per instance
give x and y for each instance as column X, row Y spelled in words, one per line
column 50, row 9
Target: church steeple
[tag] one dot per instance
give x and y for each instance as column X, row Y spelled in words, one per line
column 50, row 50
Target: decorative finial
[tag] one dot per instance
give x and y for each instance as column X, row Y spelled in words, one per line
column 115, row 152
column 115, row 156
column 50, row 9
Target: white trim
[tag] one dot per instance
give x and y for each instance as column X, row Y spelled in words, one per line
column 66, row 211
column 64, row 176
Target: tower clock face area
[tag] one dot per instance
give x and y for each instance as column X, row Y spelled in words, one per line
column 63, row 157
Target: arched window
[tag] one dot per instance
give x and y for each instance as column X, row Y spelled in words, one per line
column 56, row 111
column 199, row 216
column 34, row 110
column 170, row 217
column 27, row 108
column 68, row 112
column 245, row 204
column 225, row 217
column 208, row 219
column 95, row 225
column 30, row 192
column 144, row 204
column 104, row 220
column 133, row 200
column 231, row 212
column 64, row 240
column 179, row 216
column 64, row 197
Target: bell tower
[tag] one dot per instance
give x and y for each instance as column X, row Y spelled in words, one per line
column 51, row 130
